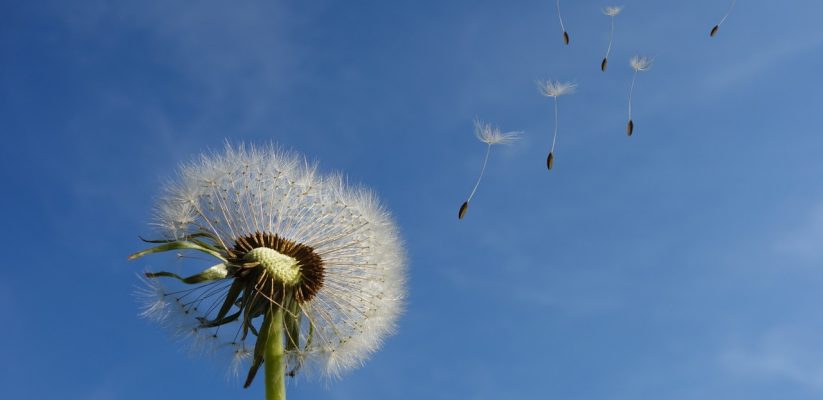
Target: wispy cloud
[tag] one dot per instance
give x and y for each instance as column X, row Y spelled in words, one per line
column 579, row 292
column 805, row 241
column 781, row 356
column 754, row 67
column 237, row 58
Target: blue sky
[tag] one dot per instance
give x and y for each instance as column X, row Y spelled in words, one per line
column 681, row 263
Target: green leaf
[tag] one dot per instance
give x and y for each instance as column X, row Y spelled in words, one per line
column 179, row 245
column 231, row 298
column 205, row 323
column 245, row 305
column 214, row 273
column 259, row 349
column 292, row 316
column 310, row 336
column 192, row 236
column 291, row 319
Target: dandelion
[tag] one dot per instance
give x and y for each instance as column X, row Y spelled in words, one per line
column 638, row 64
column 562, row 27
column 490, row 135
column 722, row 20
column 611, row 12
column 309, row 273
column 555, row 89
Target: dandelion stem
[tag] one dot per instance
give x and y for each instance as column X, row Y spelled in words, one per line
column 611, row 38
column 728, row 12
column 722, row 20
column 631, row 91
column 554, row 138
column 560, row 17
column 275, row 368
column 482, row 171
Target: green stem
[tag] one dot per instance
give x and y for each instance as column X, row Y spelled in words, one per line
column 273, row 359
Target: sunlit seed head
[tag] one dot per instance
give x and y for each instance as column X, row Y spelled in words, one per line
column 556, row 88
column 641, row 63
column 612, row 11
column 288, row 238
column 489, row 134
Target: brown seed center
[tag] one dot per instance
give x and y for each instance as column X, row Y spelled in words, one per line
column 311, row 268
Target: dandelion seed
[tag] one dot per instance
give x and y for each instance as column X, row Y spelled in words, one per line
column 639, row 64
column 555, row 89
column 313, row 269
column 490, row 135
column 611, row 12
column 562, row 27
column 463, row 208
column 722, row 20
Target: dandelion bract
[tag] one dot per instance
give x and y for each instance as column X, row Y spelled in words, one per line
column 639, row 64
column 308, row 274
column 489, row 135
column 555, row 89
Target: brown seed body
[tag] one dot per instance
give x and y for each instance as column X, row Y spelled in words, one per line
column 463, row 209
column 604, row 64
column 550, row 161
column 630, row 128
column 565, row 37
column 714, row 30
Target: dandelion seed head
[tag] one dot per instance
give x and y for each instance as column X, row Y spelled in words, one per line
column 324, row 252
column 641, row 63
column 612, row 11
column 556, row 88
column 489, row 134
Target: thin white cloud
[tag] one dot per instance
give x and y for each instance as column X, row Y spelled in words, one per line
column 804, row 242
column 755, row 66
column 232, row 56
column 779, row 356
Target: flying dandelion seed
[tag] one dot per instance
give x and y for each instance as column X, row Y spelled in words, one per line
column 562, row 27
column 638, row 64
column 722, row 20
column 490, row 135
column 313, row 269
column 611, row 12
column 555, row 89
